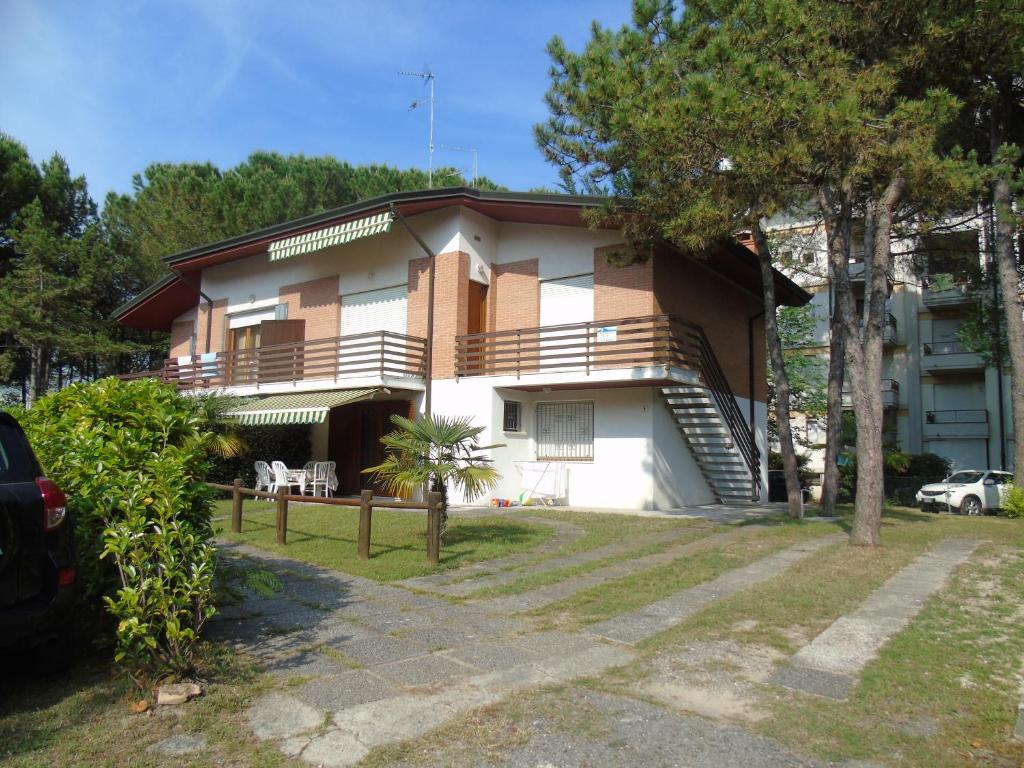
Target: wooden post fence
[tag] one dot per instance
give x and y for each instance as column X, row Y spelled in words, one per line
column 236, row 505
column 365, row 522
column 434, row 507
column 282, row 516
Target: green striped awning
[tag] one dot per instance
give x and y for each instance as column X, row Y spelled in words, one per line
column 298, row 408
column 329, row 236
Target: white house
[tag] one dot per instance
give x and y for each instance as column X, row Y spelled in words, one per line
column 622, row 387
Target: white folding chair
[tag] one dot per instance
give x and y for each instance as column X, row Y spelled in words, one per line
column 321, row 477
column 264, row 482
column 281, row 477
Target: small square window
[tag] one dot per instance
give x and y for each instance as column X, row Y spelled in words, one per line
column 512, row 420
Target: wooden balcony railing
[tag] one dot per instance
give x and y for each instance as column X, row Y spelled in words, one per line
column 364, row 355
column 655, row 340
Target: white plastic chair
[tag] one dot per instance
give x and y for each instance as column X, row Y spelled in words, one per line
column 264, row 482
column 308, row 472
column 281, row 477
column 321, row 477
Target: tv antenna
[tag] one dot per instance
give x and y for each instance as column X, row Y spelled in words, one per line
column 427, row 77
column 471, row 151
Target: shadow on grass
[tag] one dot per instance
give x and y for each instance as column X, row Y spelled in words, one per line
column 461, row 534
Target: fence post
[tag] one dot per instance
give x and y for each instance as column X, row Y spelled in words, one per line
column 236, row 506
column 282, row 517
column 433, row 527
column 365, row 521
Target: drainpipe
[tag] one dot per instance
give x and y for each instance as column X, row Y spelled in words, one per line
column 750, row 365
column 429, row 351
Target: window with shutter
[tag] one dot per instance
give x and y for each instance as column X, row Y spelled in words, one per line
column 565, row 431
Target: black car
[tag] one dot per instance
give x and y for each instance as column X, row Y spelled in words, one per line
column 37, row 556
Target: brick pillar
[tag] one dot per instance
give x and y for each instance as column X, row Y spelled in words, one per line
column 216, row 331
column 318, row 303
column 451, row 306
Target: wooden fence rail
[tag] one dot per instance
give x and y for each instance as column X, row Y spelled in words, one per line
column 434, row 507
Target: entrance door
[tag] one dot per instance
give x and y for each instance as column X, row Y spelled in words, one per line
column 354, row 443
column 477, row 316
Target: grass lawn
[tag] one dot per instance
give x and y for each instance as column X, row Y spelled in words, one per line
column 327, row 535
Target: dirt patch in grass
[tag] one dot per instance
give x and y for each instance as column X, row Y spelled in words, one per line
column 712, row 679
column 84, row 717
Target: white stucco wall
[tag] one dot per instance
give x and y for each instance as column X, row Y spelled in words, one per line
column 561, row 251
column 641, row 461
column 374, row 262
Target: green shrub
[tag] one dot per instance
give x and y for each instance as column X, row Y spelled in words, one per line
column 1013, row 502
column 132, row 458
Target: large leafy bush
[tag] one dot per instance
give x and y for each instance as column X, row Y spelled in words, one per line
column 132, row 458
column 1013, row 502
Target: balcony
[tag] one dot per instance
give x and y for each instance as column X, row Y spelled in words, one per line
column 858, row 274
column 890, row 337
column 956, row 297
column 377, row 358
column 651, row 349
column 890, row 394
column 959, row 423
column 949, row 357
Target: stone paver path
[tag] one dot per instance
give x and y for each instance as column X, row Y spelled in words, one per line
column 552, row 593
column 467, row 586
column 648, row 621
column 369, row 664
column 831, row 663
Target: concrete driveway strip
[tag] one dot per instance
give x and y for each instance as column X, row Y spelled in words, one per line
column 552, row 593
column 831, row 663
column 633, row 627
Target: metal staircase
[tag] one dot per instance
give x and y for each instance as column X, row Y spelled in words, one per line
column 711, row 422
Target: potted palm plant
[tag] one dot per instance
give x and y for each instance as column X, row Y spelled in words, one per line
column 436, row 452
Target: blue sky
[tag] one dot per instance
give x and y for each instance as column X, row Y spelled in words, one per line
column 114, row 86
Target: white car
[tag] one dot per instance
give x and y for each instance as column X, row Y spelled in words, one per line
column 969, row 492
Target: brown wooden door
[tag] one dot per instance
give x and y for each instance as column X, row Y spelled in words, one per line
column 477, row 320
column 354, row 443
column 284, row 361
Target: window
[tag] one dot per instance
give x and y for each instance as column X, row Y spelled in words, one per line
column 565, row 431
column 512, row 419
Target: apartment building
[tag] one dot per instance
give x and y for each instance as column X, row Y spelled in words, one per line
column 939, row 397
column 641, row 386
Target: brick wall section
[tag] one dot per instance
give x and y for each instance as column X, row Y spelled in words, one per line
column 181, row 337
column 217, row 330
column 513, row 300
column 451, row 306
column 317, row 302
column 686, row 289
column 622, row 291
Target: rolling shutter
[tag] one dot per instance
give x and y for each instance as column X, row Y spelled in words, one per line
column 567, row 300
column 383, row 310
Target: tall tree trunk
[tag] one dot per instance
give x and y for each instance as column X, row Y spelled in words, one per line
column 38, row 373
column 782, row 391
column 865, row 361
column 1009, row 287
column 838, row 232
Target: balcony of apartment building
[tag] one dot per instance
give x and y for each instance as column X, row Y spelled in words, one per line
column 956, row 423
column 376, row 359
column 945, row 298
column 953, row 266
column 890, row 394
column 890, row 331
column 858, row 274
column 653, row 350
column 949, row 357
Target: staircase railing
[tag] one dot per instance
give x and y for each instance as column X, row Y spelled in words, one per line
column 713, row 377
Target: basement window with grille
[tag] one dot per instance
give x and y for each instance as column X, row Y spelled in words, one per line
column 565, row 431
column 512, row 420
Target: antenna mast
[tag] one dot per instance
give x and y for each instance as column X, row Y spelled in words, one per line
column 471, row 151
column 428, row 77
